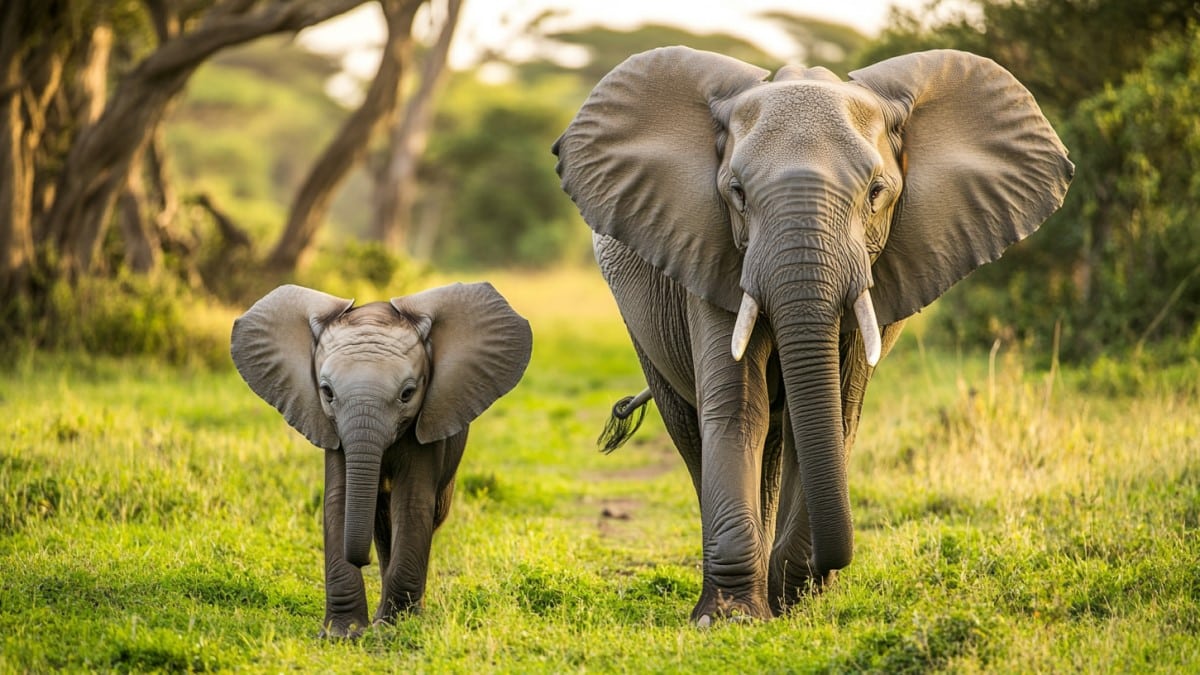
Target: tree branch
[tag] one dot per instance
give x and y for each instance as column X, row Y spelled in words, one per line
column 99, row 162
column 315, row 194
column 220, row 30
column 395, row 180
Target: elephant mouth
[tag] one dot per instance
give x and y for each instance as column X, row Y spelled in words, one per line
column 864, row 313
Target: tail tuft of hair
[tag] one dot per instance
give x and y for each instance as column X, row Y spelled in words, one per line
column 627, row 416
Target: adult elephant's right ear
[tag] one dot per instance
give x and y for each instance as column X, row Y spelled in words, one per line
column 272, row 347
column 984, row 170
column 640, row 160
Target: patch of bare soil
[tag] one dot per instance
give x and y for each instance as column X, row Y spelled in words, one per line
column 618, row 517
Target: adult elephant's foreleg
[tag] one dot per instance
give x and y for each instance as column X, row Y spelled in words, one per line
column 772, row 461
column 790, row 576
column 733, row 409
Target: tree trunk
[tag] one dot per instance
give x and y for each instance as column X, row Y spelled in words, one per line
column 30, row 78
column 16, row 191
column 349, row 145
column 161, row 192
column 91, row 80
column 143, row 248
column 428, row 220
column 396, row 180
column 100, row 160
column 233, row 237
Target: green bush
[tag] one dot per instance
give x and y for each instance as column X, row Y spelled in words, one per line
column 363, row 270
column 129, row 315
column 1117, row 267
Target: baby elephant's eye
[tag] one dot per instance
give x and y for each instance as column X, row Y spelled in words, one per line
column 408, row 392
column 327, row 393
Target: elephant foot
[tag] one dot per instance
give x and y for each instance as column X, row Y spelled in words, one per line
column 390, row 610
column 791, row 589
column 342, row 628
column 706, row 620
column 721, row 606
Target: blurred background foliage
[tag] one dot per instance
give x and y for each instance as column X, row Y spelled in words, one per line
column 1116, row 271
column 250, row 123
column 491, row 196
column 1118, row 267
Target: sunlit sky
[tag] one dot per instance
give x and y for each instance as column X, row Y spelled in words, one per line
column 495, row 24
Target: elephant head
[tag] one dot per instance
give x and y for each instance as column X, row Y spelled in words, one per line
column 811, row 200
column 359, row 378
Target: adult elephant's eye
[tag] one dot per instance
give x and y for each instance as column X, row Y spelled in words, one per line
column 327, row 393
column 876, row 192
column 738, row 196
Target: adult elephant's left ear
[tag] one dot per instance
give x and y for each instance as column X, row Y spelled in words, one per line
column 640, row 159
column 984, row 170
column 480, row 347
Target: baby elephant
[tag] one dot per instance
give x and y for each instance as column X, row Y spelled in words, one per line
column 387, row 389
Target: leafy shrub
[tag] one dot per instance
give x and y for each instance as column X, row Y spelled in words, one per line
column 122, row 316
column 362, row 270
column 1117, row 267
column 480, row 486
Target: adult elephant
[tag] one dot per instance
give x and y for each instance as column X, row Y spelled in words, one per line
column 765, row 240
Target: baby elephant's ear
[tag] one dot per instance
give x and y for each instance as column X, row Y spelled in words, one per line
column 272, row 347
column 480, row 347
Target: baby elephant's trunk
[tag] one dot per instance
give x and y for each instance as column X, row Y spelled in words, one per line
column 363, row 459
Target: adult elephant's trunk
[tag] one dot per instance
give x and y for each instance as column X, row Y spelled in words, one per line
column 808, row 354
column 802, row 279
column 363, row 444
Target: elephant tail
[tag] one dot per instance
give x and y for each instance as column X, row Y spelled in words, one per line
column 621, row 426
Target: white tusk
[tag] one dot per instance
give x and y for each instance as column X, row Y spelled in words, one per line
column 864, row 311
column 747, row 315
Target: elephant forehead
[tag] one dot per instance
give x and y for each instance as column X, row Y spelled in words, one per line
column 371, row 332
column 806, row 115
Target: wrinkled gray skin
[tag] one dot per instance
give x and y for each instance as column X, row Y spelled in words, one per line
column 713, row 189
column 387, row 389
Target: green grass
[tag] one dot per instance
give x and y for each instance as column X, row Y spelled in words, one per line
column 160, row 518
